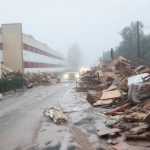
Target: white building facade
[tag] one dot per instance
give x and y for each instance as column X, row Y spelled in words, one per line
column 23, row 53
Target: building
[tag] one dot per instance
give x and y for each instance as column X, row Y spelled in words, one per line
column 23, row 53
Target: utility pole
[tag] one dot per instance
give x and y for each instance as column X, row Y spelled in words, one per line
column 0, row 70
column 138, row 39
column 112, row 53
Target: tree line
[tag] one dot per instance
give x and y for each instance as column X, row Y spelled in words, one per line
column 128, row 47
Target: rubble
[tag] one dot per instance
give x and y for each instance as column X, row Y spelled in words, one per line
column 55, row 114
column 11, row 80
column 123, row 87
column 40, row 79
column 110, row 94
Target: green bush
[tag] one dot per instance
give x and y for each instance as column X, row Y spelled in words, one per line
column 11, row 83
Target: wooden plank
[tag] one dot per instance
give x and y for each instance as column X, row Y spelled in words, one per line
column 147, row 119
column 138, row 68
column 125, row 146
column 103, row 102
column 138, row 137
column 135, row 116
column 140, row 129
column 110, row 94
column 120, row 108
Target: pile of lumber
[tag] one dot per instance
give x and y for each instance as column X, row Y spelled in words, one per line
column 123, row 87
column 88, row 81
column 40, row 79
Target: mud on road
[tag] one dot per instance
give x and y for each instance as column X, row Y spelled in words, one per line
column 23, row 126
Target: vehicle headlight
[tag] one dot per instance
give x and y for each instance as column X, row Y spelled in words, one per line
column 77, row 75
column 66, row 76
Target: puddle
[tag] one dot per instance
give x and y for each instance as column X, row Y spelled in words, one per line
column 47, row 143
column 57, row 147
column 85, row 121
column 71, row 102
column 71, row 148
column 81, row 130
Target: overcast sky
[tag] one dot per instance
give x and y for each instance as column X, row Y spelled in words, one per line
column 93, row 24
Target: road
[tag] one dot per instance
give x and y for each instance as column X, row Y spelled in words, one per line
column 23, row 126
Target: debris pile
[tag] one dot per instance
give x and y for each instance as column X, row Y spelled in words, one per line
column 12, row 81
column 89, row 80
column 55, row 114
column 123, row 87
column 40, row 79
column 16, row 80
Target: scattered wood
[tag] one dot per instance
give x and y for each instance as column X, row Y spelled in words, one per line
column 138, row 68
column 140, row 129
column 120, row 108
column 125, row 146
column 147, row 119
column 124, row 87
column 138, row 137
column 135, row 117
column 55, row 114
column 92, row 97
column 110, row 94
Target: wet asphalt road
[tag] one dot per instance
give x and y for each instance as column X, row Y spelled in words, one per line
column 23, row 126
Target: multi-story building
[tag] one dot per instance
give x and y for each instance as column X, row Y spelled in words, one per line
column 23, row 53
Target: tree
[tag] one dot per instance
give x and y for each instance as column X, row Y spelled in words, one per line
column 128, row 45
column 74, row 56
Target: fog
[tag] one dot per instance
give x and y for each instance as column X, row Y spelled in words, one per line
column 93, row 24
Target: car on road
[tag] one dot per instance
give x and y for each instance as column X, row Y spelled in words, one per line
column 71, row 76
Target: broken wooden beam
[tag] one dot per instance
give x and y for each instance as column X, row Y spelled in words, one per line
column 118, row 109
column 138, row 137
